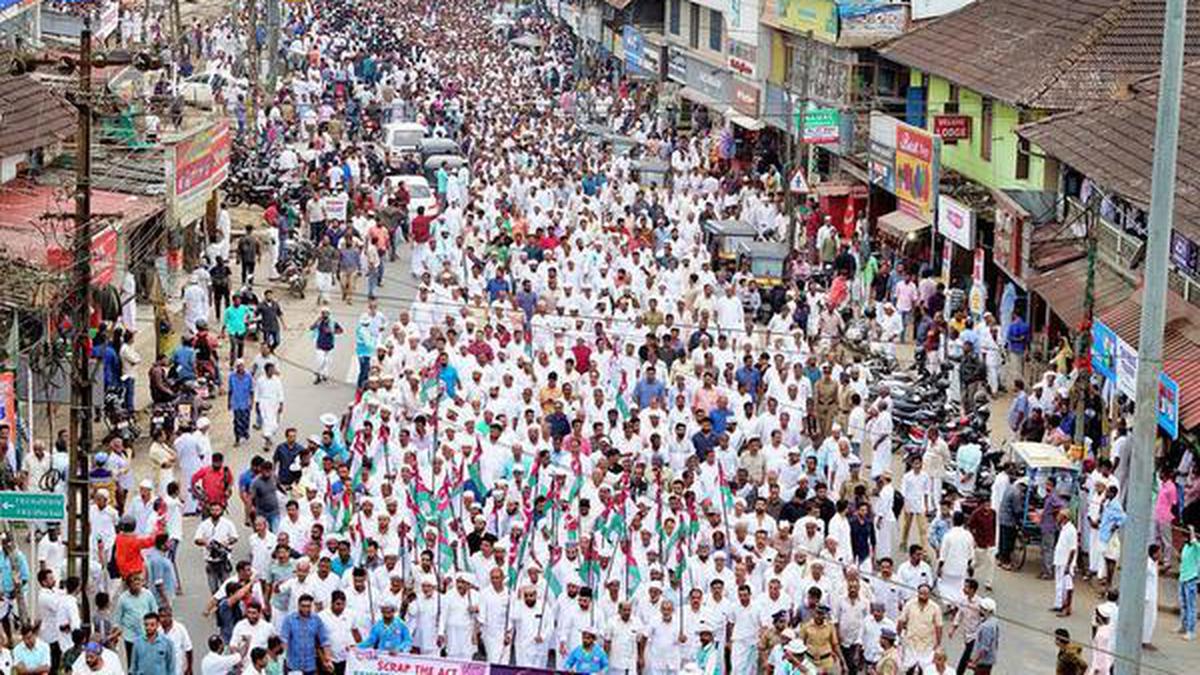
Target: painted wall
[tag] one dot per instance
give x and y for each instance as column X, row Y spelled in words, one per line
column 964, row 156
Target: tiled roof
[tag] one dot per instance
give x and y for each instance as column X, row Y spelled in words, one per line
column 1048, row 54
column 31, row 116
column 1113, row 144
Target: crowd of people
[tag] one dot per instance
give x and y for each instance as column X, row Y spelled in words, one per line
column 584, row 444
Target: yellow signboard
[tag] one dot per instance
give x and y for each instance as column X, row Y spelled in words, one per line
column 801, row 16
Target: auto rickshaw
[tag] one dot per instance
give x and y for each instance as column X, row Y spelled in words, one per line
column 765, row 260
column 722, row 237
column 452, row 163
column 652, row 172
column 1040, row 461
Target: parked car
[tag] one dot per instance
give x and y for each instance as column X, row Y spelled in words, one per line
column 200, row 89
column 401, row 138
column 419, row 192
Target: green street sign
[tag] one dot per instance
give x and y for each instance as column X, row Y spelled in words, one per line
column 32, row 506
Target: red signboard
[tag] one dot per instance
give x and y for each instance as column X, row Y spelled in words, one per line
column 104, row 257
column 202, row 160
column 745, row 98
column 952, row 128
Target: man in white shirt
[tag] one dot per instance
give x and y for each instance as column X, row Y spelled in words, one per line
column 1065, row 551
column 954, row 559
column 178, row 635
column 344, row 633
column 97, row 660
column 917, row 489
column 623, row 639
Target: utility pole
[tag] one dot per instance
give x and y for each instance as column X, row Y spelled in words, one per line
column 1135, row 533
column 790, row 165
column 79, row 468
column 255, row 61
column 273, row 22
column 1083, row 347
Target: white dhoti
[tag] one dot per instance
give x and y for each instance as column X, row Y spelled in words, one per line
column 743, row 658
column 270, row 418
column 950, row 587
column 187, row 470
column 493, row 644
column 324, row 285
column 1064, row 582
column 460, row 643
column 885, row 539
column 1095, row 552
column 323, row 360
column 532, row 655
column 913, row 658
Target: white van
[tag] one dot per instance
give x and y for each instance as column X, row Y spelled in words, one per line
column 400, row 138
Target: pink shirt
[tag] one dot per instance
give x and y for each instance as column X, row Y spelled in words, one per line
column 906, row 296
column 1168, row 495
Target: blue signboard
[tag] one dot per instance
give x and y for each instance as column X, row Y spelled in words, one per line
column 1104, row 351
column 914, row 107
column 635, row 48
column 1168, row 405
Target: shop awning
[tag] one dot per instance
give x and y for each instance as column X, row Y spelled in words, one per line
column 696, row 96
column 1064, row 287
column 1181, row 346
column 744, row 121
column 900, row 224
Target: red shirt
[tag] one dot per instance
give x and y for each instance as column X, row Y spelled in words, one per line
column 214, row 483
column 583, row 358
column 128, row 552
column 420, row 229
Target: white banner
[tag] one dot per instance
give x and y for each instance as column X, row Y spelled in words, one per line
column 956, row 222
column 927, row 9
column 365, row 662
column 110, row 18
column 1127, row 368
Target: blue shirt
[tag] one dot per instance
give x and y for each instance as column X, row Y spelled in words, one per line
column 388, row 637
column 646, row 391
column 302, row 635
column 449, row 377
column 750, row 377
column 720, row 419
column 497, row 286
column 1018, row 335
column 241, row 390
column 364, row 340
column 184, row 360
column 582, row 660
column 160, row 570
column 152, row 657
column 112, row 364
column 7, row 582
column 235, row 319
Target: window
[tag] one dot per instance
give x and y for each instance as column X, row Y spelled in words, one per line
column 985, row 131
column 950, row 107
column 789, row 65
column 676, row 6
column 694, row 26
column 716, row 26
column 1023, row 151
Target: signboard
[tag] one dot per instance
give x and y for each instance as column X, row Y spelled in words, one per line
column 336, row 206
column 822, row 125
column 104, row 256
column 1185, row 254
column 745, row 98
column 798, row 185
column 1104, row 350
column 677, row 66
column 818, row 16
column 927, row 9
column 635, row 48
column 742, row 58
column 866, row 22
column 197, row 166
column 32, row 506
column 978, row 295
column 956, row 222
column 915, row 186
column 1127, row 367
column 882, row 149
column 952, row 128
column 947, row 263
column 8, row 404
column 1168, row 405
column 711, row 82
column 110, row 19
column 363, row 662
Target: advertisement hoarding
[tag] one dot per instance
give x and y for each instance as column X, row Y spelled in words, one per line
column 915, row 181
column 956, row 222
